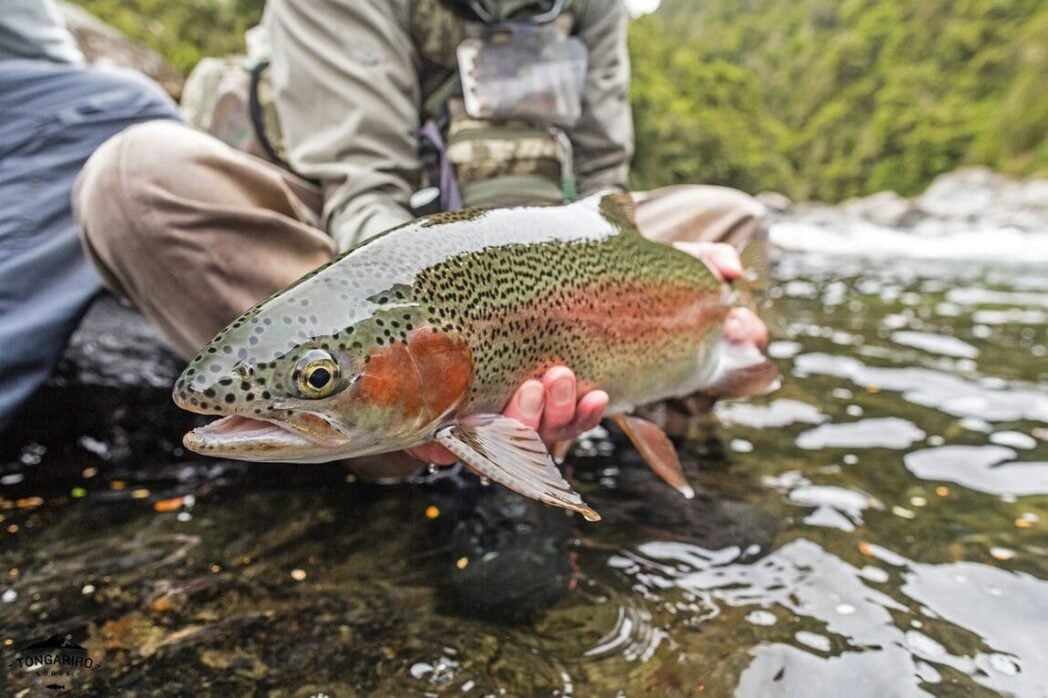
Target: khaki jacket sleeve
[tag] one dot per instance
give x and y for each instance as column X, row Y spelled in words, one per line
column 603, row 137
column 347, row 95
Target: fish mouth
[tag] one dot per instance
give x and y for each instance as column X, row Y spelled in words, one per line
column 240, row 437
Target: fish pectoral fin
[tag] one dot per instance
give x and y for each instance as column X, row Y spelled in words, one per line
column 511, row 454
column 656, row 449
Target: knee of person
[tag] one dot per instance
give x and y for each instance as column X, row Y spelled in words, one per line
column 122, row 179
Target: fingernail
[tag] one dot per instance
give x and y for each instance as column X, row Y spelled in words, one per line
column 531, row 395
column 561, row 391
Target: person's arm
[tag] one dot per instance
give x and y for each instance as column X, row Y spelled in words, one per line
column 347, row 96
column 603, row 137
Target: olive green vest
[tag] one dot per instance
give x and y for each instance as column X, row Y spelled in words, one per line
column 497, row 162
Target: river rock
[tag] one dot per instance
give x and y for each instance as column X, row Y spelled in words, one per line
column 774, row 201
column 963, row 194
column 980, row 198
column 115, row 346
column 101, row 44
column 112, row 386
column 883, row 208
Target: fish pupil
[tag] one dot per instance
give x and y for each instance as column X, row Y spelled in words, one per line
column 319, row 377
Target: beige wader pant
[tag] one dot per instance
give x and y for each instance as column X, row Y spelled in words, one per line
column 193, row 232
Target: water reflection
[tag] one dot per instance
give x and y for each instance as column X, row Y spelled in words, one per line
column 777, row 413
column 827, row 629
column 963, row 397
column 879, row 432
column 935, row 343
column 987, row 469
column 1006, row 656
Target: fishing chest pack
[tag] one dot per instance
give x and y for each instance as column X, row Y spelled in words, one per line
column 497, row 98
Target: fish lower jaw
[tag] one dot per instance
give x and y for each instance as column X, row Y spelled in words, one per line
column 246, row 438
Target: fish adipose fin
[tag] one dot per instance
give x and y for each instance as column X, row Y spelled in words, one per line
column 656, row 449
column 511, row 454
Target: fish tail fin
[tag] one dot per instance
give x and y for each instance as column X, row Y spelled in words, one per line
column 752, row 290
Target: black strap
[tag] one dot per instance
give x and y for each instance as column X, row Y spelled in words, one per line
column 257, row 119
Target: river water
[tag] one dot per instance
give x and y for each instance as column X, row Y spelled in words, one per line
column 876, row 527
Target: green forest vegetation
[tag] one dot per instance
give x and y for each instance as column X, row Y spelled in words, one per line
column 822, row 99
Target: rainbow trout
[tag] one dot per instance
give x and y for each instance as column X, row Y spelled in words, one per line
column 424, row 333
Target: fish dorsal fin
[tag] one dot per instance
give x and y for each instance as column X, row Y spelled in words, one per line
column 656, row 449
column 511, row 454
column 620, row 209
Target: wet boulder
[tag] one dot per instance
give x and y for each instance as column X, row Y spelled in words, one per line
column 111, row 387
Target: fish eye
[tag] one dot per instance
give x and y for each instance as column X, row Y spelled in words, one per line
column 316, row 374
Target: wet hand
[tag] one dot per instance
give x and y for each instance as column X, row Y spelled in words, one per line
column 722, row 258
column 551, row 406
column 741, row 326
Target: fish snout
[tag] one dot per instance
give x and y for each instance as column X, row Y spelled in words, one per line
column 210, row 385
